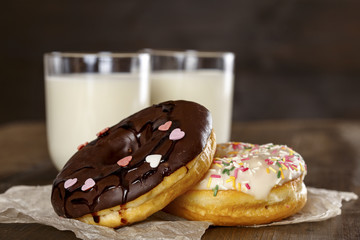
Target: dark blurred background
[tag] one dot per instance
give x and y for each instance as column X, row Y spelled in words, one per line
column 294, row 59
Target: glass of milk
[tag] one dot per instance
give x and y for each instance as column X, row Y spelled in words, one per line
column 87, row 92
column 204, row 77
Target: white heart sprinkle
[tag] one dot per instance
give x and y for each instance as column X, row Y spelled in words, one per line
column 154, row 160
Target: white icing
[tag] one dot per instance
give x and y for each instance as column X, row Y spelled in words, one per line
column 252, row 169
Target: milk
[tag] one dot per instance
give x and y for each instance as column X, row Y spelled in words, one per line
column 211, row 88
column 80, row 105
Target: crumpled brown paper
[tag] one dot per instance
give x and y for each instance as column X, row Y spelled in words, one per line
column 31, row 204
column 321, row 204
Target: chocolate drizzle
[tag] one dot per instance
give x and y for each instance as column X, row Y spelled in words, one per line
column 137, row 136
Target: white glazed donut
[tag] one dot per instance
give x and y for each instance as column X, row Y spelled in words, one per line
column 247, row 184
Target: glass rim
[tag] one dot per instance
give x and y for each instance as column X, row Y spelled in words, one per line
column 170, row 53
column 94, row 54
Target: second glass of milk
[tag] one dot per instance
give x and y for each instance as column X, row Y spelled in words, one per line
column 86, row 93
column 203, row 77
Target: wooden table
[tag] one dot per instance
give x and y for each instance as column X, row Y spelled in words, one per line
column 331, row 149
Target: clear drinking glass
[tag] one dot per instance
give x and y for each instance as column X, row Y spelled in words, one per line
column 203, row 77
column 86, row 92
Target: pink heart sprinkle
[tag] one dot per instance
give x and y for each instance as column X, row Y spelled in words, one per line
column 70, row 182
column 89, row 183
column 176, row 134
column 102, row 131
column 165, row 126
column 124, row 161
column 82, row 145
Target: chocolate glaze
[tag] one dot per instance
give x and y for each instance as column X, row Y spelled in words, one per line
column 138, row 136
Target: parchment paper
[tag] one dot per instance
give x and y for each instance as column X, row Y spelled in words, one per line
column 31, row 204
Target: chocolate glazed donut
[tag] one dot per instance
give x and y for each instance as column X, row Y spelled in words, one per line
column 116, row 167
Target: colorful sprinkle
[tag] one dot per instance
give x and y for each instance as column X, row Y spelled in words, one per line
column 228, row 180
column 272, row 169
column 278, row 174
column 227, row 171
column 232, row 153
column 243, row 169
column 209, row 182
column 236, row 172
column 102, row 132
column 218, row 165
column 294, row 166
column 215, row 176
column 244, row 159
column 124, row 161
column 70, row 182
column 247, row 186
column 226, row 163
column 166, row 126
column 267, row 170
column 239, row 186
column 89, row 183
column 82, row 145
column 233, row 181
column 236, row 146
column 301, row 166
column 176, row 134
column 268, row 161
column 282, row 174
column 216, row 189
